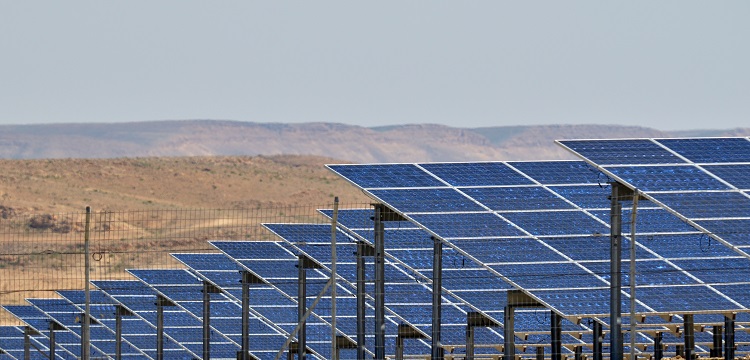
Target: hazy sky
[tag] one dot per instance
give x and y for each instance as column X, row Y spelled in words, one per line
column 663, row 64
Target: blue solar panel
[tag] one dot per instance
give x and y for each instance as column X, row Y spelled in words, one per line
column 592, row 247
column 736, row 232
column 427, row 200
column 557, row 223
column 517, row 198
column 476, row 174
column 667, row 178
column 560, row 172
column 625, row 152
column 508, row 250
column 668, row 298
column 709, row 150
column 725, row 270
column 582, row 301
column 555, row 275
column 736, row 175
column 685, row 246
column 651, row 272
column 382, row 176
column 648, row 221
column 467, row 225
column 707, row 204
column 252, row 250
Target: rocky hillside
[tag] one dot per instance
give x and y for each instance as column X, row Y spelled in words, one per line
column 404, row 143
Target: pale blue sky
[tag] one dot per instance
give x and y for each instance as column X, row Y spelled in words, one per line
column 663, row 64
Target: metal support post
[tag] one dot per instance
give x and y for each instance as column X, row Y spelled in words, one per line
column 728, row 338
column 437, row 289
column 475, row 319
column 86, row 325
column 52, row 329
column 540, row 353
column 27, row 343
column 206, row 321
column 658, row 347
column 301, row 308
column 615, row 312
column 509, row 349
column 361, row 300
column 556, row 334
column 334, row 221
column 248, row 278
column 689, row 334
column 379, row 230
column 716, row 350
column 342, row 342
column 469, row 342
column 120, row 311
column 405, row 332
column 578, row 353
column 208, row 288
column 161, row 302
column 680, row 351
column 597, row 340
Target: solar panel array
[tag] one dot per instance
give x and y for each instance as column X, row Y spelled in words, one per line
column 538, row 227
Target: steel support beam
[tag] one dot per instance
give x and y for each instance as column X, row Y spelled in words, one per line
column 161, row 302
column 27, row 343
column 474, row 320
column 120, row 311
column 363, row 249
column 405, row 332
column 303, row 263
column 689, row 335
column 578, row 353
column 509, row 320
column 540, row 353
column 728, row 338
column 53, row 326
column 556, row 335
column 597, row 341
column 379, row 232
column 437, row 290
column 615, row 290
column 716, row 349
column 658, row 347
column 247, row 279
column 207, row 290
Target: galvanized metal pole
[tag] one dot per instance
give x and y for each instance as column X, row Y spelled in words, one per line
column 334, row 221
column 437, row 286
column 27, row 343
column 469, row 342
column 159, row 329
column 509, row 335
column 361, row 301
column 206, row 321
column 658, row 347
column 118, row 332
column 615, row 287
column 556, row 335
column 689, row 335
column 245, row 315
column 728, row 338
column 379, row 283
column 86, row 328
column 301, row 307
column 597, row 341
column 633, row 217
column 52, row 341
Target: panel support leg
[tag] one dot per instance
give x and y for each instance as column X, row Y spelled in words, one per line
column 540, row 353
column 689, row 334
column 716, row 349
column 52, row 340
column 658, row 347
column 437, row 289
column 361, row 309
column 379, row 282
column 578, row 353
column 469, row 342
column 615, row 311
column 301, row 308
column 27, row 343
column 556, row 335
column 509, row 348
column 728, row 338
column 597, row 340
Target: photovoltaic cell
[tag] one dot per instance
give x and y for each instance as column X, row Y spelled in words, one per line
column 711, row 150
column 737, row 232
column 427, row 200
column 386, row 176
column 667, row 178
column 736, row 175
column 466, row 225
column 476, row 174
column 625, row 152
column 560, row 172
column 697, row 205
column 546, row 223
column 516, row 198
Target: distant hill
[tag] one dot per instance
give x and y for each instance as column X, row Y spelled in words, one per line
column 403, row 143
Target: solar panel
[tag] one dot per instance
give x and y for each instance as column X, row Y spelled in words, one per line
column 569, row 227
